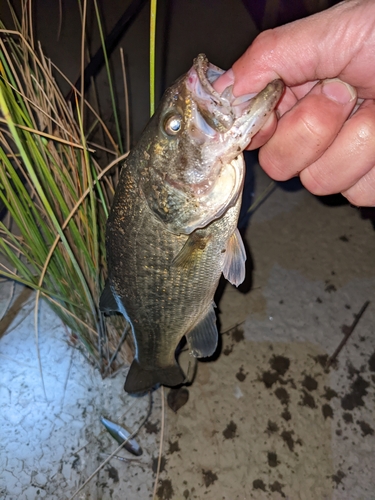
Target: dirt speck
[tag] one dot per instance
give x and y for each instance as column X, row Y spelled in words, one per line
column 272, row 459
column 366, row 429
column 319, row 300
column 177, row 398
column 330, row 287
column 355, row 397
column 165, row 490
column 113, row 474
column 371, row 362
column 230, row 431
column 352, row 371
column 280, row 364
column 286, row 415
column 208, row 477
column 307, row 400
column 155, row 464
column 345, row 329
column 237, row 334
column 241, row 375
column 288, row 439
column 338, row 477
column 321, row 359
column 228, row 350
column 269, row 378
column 282, row 395
column 348, row 418
column 151, row 428
column 344, row 238
column 310, row 383
column 76, row 461
column 173, row 447
column 186, row 494
column 276, row 486
column 272, row 427
column 258, row 484
column 327, row 411
column 329, row 393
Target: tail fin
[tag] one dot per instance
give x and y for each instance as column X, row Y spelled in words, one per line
column 141, row 380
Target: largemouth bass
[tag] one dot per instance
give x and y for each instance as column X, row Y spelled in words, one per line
column 172, row 227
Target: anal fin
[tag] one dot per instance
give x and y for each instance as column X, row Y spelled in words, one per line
column 202, row 339
column 235, row 257
column 107, row 302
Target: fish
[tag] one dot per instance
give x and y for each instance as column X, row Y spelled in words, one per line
column 172, row 229
column 121, row 435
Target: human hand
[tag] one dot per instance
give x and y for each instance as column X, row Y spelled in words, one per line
column 327, row 62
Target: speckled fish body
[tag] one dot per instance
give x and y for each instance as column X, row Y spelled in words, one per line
column 172, row 230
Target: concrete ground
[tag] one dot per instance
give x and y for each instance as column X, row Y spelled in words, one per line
column 264, row 420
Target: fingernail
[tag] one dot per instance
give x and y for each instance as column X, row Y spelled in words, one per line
column 338, row 91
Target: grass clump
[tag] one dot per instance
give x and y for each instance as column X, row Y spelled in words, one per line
column 56, row 194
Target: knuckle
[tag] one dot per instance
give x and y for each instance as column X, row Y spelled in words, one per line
column 272, row 164
column 366, row 130
column 312, row 131
column 265, row 37
column 362, row 194
column 316, row 181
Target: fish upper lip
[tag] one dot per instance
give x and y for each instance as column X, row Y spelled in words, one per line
column 215, row 109
column 202, row 67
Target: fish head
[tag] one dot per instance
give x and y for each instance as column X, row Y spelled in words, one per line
column 193, row 168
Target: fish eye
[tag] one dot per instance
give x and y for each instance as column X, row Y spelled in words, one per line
column 172, row 125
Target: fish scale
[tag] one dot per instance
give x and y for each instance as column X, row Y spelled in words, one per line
column 171, row 231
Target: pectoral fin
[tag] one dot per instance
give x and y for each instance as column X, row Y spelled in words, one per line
column 235, row 257
column 107, row 303
column 191, row 251
column 202, row 339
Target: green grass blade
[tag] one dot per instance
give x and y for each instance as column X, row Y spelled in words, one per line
column 152, row 54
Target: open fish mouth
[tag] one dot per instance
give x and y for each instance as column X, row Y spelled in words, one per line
column 218, row 110
column 219, row 113
column 224, row 125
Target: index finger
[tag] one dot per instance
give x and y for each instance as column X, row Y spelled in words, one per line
column 325, row 45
